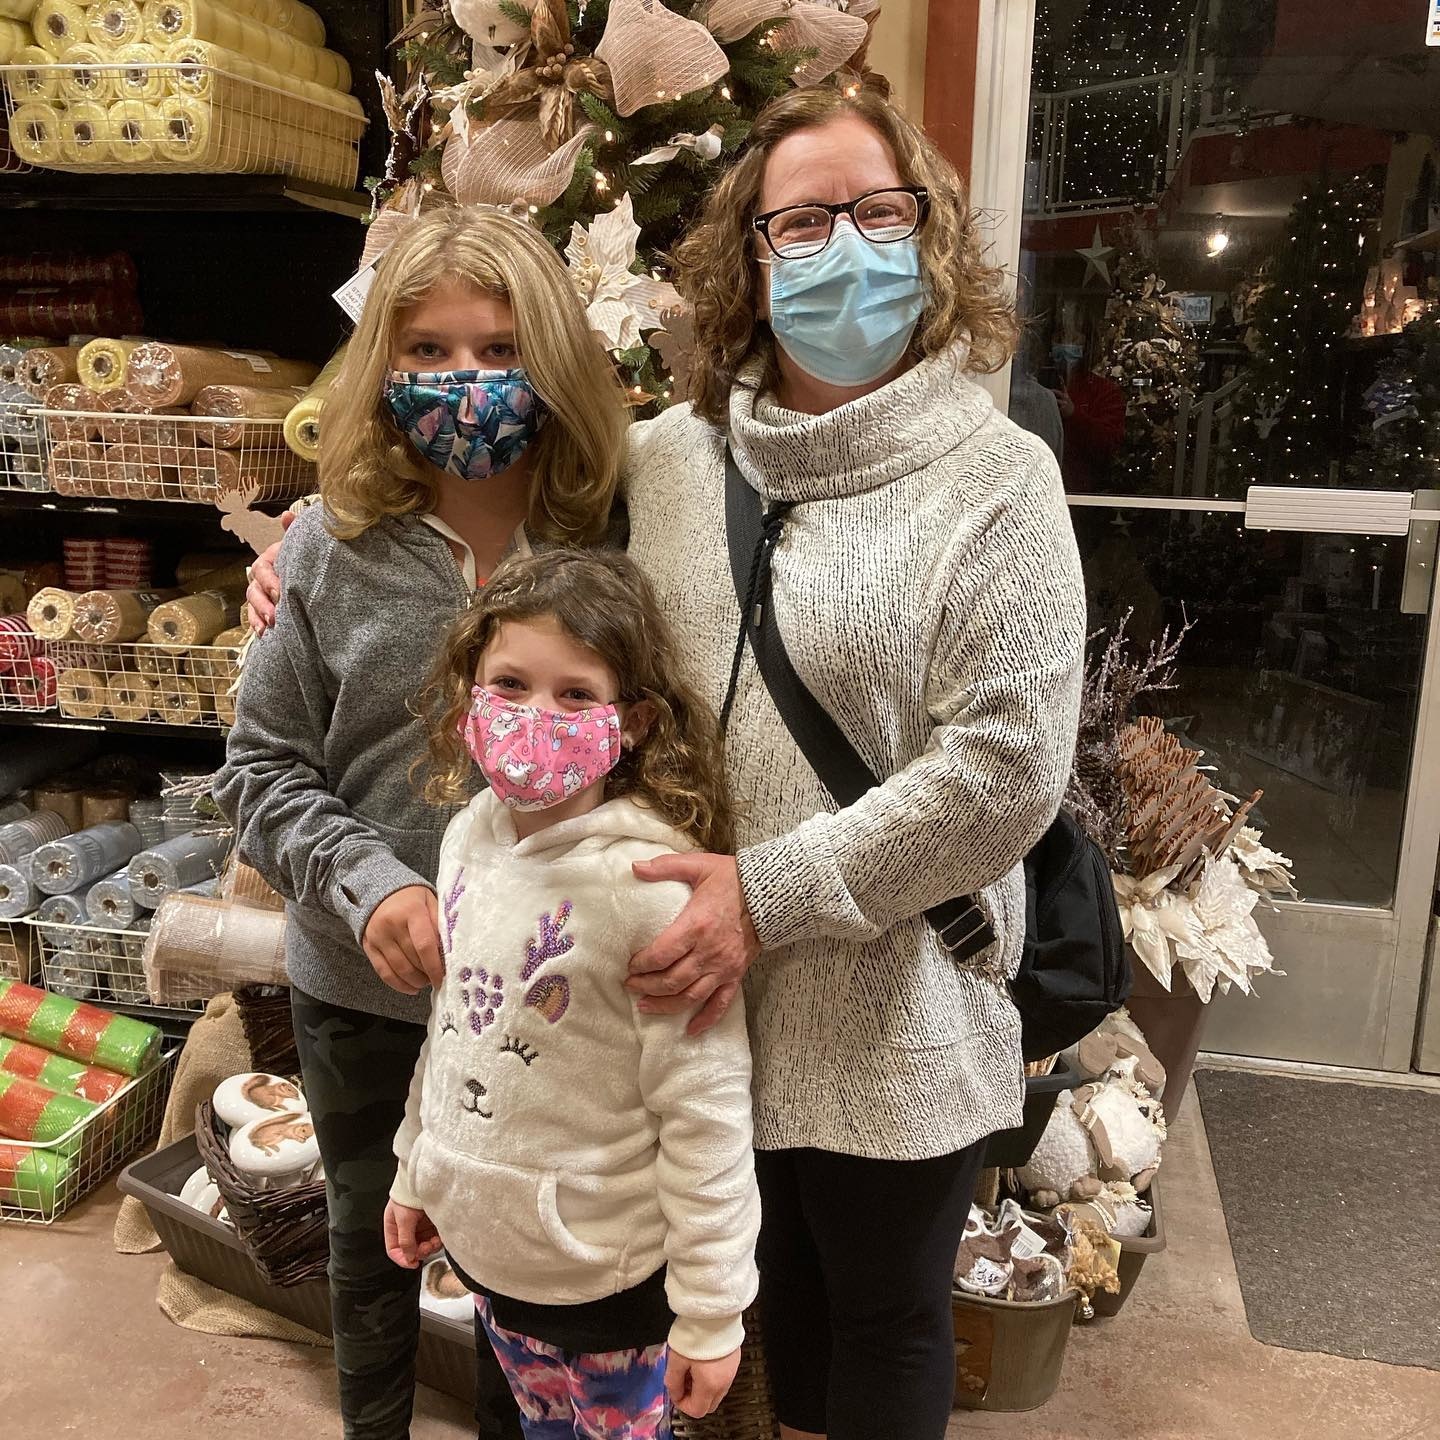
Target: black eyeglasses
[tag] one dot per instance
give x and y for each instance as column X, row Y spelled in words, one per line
column 882, row 217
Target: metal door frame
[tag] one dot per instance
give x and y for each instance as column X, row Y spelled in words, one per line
column 1401, row 1030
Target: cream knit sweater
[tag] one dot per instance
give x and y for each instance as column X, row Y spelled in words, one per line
column 929, row 592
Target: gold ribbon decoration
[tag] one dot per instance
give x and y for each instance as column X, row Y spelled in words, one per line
column 655, row 56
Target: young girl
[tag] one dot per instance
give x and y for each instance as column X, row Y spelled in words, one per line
column 474, row 415
column 582, row 1162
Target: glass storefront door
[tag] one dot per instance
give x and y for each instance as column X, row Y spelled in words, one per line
column 1228, row 262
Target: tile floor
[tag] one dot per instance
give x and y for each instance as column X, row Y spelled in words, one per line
column 92, row 1355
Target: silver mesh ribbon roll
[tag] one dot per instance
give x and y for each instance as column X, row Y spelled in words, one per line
column 72, row 975
column 148, row 817
column 109, row 902
column 175, row 865
column 18, row 895
column 21, row 837
column 13, row 811
column 66, row 864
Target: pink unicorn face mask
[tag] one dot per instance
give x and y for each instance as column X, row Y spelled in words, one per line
column 537, row 758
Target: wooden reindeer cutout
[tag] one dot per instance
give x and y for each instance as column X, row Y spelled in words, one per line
column 258, row 531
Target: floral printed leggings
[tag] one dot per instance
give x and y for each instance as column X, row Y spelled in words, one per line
column 563, row 1395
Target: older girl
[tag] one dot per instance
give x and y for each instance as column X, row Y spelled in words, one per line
column 474, row 415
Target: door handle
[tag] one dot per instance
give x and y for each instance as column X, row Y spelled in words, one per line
column 1420, row 550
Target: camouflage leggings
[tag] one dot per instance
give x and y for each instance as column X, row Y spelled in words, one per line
column 357, row 1071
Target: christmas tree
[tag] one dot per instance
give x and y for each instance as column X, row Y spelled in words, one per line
column 1401, row 450
column 1152, row 354
column 1291, row 427
column 606, row 121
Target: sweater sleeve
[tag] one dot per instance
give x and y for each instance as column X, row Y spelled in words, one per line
column 1003, row 691
column 698, row 1088
column 305, row 841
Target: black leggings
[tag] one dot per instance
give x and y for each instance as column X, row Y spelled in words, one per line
column 856, row 1258
column 357, row 1075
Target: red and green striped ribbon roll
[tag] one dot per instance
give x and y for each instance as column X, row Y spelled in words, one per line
column 70, row 1077
column 31, row 1111
column 77, row 1030
column 31, row 1179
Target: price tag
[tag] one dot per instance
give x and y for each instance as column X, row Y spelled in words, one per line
column 258, row 363
column 350, row 297
column 1432, row 26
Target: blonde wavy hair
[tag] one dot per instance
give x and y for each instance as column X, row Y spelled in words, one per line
column 716, row 269
column 368, row 468
column 604, row 603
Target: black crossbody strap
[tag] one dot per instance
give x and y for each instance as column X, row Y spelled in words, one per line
column 752, row 535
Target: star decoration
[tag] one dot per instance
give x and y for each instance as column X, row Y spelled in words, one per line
column 1097, row 257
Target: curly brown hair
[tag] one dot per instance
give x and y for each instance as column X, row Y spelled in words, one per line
column 604, row 603
column 716, row 269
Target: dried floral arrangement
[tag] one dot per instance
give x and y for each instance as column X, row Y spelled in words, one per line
column 1188, row 870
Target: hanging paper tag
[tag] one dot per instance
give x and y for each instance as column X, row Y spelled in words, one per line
column 1432, row 28
column 257, row 363
column 350, row 297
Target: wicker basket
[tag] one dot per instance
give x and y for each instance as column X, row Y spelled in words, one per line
column 285, row 1232
column 748, row 1413
column 269, row 1029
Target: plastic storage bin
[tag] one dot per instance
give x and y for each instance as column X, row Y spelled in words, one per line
column 1008, row 1356
column 1009, row 1148
column 212, row 1252
column 1132, row 1256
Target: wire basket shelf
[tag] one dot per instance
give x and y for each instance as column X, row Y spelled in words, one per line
column 153, row 117
column 27, row 673
column 39, row 1182
column 142, row 683
column 22, row 447
column 19, row 952
column 104, row 966
column 191, row 458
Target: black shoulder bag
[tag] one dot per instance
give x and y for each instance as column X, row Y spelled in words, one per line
column 1073, row 969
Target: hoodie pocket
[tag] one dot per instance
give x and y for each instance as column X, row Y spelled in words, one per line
column 563, row 1237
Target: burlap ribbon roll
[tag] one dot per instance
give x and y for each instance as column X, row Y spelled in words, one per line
column 130, row 696
column 64, row 798
column 241, row 403
column 103, row 617
column 103, row 806
column 49, row 365
column 82, row 693
column 175, row 374
column 178, row 701
column 75, row 398
column 193, row 620
column 80, row 467
column 51, row 613
column 130, row 475
column 198, row 947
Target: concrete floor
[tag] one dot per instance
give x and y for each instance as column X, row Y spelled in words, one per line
column 93, row 1355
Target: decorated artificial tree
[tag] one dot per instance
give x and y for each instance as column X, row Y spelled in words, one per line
column 1152, row 354
column 606, row 121
column 1401, row 450
column 1290, row 428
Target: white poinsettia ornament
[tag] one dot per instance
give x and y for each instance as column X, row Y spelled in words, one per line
column 1224, row 945
column 619, row 303
column 487, row 22
column 1150, row 918
column 1265, row 870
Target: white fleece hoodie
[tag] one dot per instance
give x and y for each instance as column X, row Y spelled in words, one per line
column 565, row 1145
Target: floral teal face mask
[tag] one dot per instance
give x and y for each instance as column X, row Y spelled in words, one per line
column 470, row 423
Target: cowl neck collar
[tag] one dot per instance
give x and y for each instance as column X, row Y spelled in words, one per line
column 893, row 431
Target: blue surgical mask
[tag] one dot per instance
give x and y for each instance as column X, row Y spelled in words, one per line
column 470, row 423
column 846, row 315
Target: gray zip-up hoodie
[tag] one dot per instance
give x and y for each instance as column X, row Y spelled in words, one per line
column 317, row 767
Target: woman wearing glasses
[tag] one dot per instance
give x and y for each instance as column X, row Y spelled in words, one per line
column 928, row 592
column 926, row 586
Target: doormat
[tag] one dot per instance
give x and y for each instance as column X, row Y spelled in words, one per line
column 1329, row 1192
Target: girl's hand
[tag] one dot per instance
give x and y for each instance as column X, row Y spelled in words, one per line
column 402, row 940
column 697, row 1386
column 263, row 593
column 410, row 1235
column 701, row 958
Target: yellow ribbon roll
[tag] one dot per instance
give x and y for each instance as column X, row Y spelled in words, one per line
column 82, row 693
column 14, row 37
column 113, row 23
column 130, row 696
column 35, row 133
column 286, row 15
column 141, row 76
column 51, row 613
column 102, row 364
column 134, row 129
column 36, row 80
column 167, row 21
column 302, row 424
column 85, row 139
column 18, row 9
column 184, row 129
column 94, row 80
column 58, row 24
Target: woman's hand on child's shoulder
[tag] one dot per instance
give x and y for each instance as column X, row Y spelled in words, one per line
column 410, row 1235
column 698, row 1386
column 402, row 940
column 263, row 593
